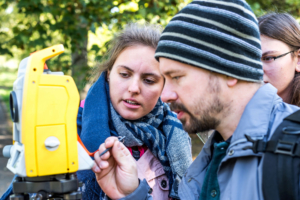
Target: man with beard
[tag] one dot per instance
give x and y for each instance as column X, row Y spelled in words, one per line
column 210, row 56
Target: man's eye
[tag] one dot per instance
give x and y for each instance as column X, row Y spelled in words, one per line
column 175, row 77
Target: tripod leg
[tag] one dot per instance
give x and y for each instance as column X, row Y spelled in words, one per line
column 73, row 196
column 37, row 196
column 16, row 197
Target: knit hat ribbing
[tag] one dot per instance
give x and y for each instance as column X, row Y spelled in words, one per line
column 217, row 35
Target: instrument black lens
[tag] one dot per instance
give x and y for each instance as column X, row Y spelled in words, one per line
column 13, row 103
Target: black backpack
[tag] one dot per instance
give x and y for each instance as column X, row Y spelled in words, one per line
column 281, row 164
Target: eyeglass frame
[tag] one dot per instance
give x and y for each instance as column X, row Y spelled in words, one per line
column 275, row 57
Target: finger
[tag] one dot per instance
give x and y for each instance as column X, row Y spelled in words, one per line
column 104, row 164
column 97, row 154
column 102, row 167
column 109, row 142
column 101, row 163
column 104, row 146
column 121, row 154
column 96, row 168
column 105, row 156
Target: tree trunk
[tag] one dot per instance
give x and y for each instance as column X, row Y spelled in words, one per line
column 80, row 61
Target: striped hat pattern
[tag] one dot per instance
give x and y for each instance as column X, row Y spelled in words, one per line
column 217, row 35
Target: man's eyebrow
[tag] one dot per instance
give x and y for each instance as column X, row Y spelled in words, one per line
column 167, row 73
column 267, row 52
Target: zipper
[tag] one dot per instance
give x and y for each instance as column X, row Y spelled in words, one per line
column 236, row 142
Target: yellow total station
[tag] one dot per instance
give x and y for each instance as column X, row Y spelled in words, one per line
column 49, row 110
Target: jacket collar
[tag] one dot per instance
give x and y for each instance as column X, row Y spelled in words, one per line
column 256, row 116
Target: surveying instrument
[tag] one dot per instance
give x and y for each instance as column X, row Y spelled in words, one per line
column 45, row 154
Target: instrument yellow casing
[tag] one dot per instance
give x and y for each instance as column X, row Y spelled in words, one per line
column 50, row 105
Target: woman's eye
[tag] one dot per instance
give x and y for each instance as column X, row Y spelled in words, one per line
column 125, row 75
column 148, row 81
column 267, row 58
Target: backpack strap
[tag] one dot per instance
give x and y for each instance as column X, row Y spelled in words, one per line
column 281, row 161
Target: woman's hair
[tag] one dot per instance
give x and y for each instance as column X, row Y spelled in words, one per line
column 284, row 27
column 133, row 34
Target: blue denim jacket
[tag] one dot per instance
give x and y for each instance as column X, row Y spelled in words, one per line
column 240, row 171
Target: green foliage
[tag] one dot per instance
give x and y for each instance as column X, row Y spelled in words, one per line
column 261, row 7
column 31, row 25
column 41, row 23
column 7, row 77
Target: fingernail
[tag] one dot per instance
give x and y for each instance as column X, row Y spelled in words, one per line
column 97, row 169
column 119, row 145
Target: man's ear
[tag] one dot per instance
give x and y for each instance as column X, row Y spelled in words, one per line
column 231, row 81
column 298, row 61
column 107, row 75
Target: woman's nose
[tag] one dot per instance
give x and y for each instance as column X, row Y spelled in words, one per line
column 134, row 87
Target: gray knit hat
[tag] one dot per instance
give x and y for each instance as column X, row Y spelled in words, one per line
column 217, row 35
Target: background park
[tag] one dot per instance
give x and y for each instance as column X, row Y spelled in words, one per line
column 85, row 28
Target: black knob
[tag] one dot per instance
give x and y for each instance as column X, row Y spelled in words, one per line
column 163, row 183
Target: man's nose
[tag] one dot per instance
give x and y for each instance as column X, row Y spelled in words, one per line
column 264, row 67
column 265, row 75
column 168, row 95
column 134, row 87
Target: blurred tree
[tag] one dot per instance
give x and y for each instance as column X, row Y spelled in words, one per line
column 261, row 7
column 5, row 30
column 42, row 23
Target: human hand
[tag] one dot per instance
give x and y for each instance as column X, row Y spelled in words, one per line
column 116, row 170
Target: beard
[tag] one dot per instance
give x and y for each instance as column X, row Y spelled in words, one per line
column 206, row 120
column 205, row 111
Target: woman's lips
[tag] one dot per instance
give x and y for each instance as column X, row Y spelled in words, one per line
column 129, row 105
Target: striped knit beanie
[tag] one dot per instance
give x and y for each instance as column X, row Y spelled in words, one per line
column 217, row 35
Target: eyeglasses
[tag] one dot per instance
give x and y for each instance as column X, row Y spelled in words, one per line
column 269, row 59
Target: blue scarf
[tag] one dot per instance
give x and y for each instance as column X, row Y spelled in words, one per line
column 160, row 131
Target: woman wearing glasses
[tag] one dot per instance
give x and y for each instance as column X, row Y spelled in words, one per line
column 280, row 41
